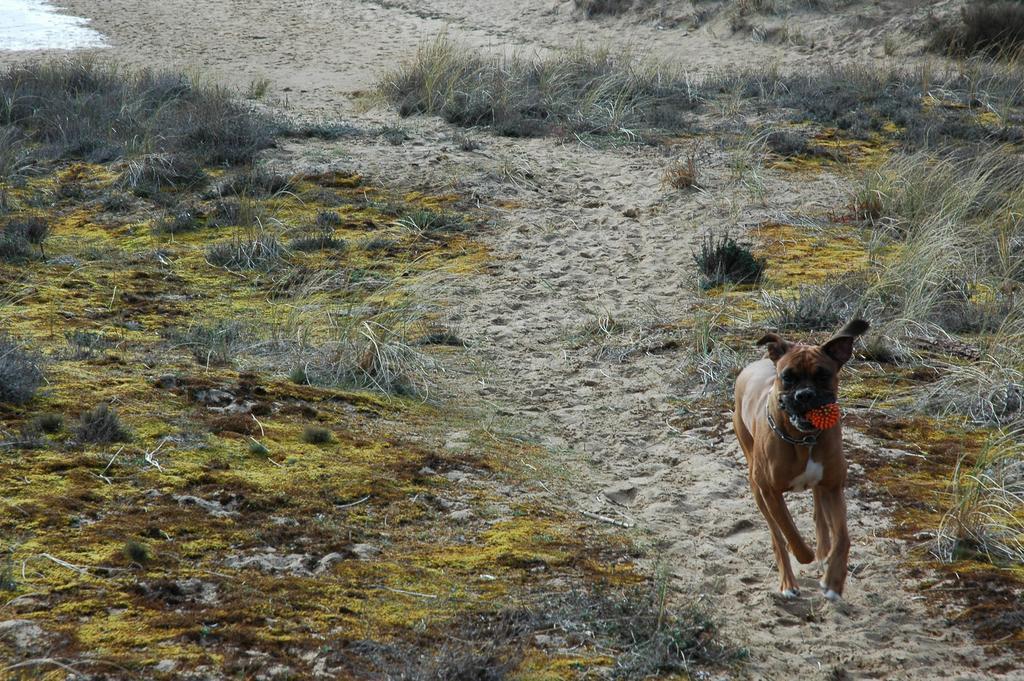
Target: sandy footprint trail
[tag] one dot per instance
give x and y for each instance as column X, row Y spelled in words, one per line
column 589, row 234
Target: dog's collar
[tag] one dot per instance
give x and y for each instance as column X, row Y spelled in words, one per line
column 807, row 441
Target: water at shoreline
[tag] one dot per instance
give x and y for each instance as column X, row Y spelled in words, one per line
column 36, row 25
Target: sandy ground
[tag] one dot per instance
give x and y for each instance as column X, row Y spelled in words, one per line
column 586, row 233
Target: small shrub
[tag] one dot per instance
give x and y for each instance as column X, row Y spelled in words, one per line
column 992, row 27
column 593, row 8
column 315, row 435
column 15, row 248
column 34, row 230
column 48, row 423
column 393, row 135
column 137, row 552
column 257, row 448
column 101, row 425
column 298, row 375
column 787, row 143
column 20, row 371
column 262, row 251
column 723, row 260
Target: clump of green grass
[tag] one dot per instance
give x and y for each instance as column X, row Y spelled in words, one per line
column 583, row 91
column 815, row 307
column 101, row 425
column 254, row 182
column 315, row 435
column 985, row 519
column 21, row 373
column 81, row 108
column 724, row 260
column 149, row 175
column 428, row 222
column 322, row 240
column 259, row 251
column 947, row 235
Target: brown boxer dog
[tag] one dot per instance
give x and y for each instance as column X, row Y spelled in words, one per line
column 786, row 453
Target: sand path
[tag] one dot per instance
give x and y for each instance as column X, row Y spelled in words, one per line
column 586, row 234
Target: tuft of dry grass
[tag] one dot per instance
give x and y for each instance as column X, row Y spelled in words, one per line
column 682, row 173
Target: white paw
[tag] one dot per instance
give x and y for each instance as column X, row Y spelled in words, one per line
column 832, row 595
column 790, row 593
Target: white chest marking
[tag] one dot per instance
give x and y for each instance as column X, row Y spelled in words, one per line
column 809, row 478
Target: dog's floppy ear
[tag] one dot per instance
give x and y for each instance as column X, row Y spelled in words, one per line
column 840, row 346
column 777, row 345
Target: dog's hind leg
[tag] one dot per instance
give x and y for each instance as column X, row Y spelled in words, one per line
column 788, row 586
column 821, row 529
column 834, row 506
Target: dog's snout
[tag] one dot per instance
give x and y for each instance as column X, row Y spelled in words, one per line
column 804, row 395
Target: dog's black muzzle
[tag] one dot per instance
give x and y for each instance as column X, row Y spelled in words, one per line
column 796, row 403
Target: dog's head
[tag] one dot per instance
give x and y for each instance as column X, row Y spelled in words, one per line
column 807, row 376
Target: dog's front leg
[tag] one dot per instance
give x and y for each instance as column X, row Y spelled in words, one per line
column 788, row 586
column 821, row 531
column 833, row 504
column 780, row 514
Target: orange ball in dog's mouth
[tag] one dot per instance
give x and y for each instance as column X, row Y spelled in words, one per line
column 823, row 417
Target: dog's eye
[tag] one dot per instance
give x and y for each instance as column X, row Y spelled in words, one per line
column 788, row 378
column 822, row 375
